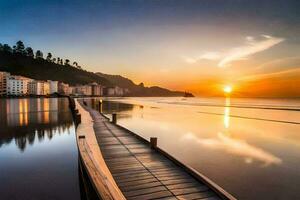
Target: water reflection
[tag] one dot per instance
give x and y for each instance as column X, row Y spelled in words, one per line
column 237, row 147
column 38, row 152
column 228, row 143
column 227, row 113
column 24, row 120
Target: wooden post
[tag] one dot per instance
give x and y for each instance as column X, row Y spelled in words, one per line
column 153, row 142
column 114, row 118
column 81, row 136
column 78, row 118
column 100, row 106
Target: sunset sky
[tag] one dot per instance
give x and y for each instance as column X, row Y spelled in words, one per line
column 199, row 46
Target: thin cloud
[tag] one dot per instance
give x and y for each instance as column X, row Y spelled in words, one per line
column 270, row 75
column 282, row 62
column 251, row 46
column 205, row 56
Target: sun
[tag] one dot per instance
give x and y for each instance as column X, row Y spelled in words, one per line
column 227, row 89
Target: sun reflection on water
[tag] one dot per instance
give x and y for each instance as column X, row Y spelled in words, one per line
column 227, row 113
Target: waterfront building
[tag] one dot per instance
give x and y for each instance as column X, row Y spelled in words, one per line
column 83, row 90
column 46, row 88
column 3, row 80
column 63, row 88
column 53, row 86
column 114, row 91
column 97, row 89
column 71, row 90
column 38, row 88
column 17, row 85
column 119, row 91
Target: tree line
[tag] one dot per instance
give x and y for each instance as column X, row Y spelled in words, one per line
column 20, row 49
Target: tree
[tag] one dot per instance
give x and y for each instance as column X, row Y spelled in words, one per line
column 14, row 49
column 54, row 60
column 39, row 54
column 7, row 48
column 49, row 56
column 67, row 62
column 58, row 60
column 1, row 47
column 61, row 61
column 29, row 52
column 75, row 64
column 20, row 48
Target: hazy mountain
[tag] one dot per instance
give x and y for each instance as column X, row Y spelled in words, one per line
column 140, row 89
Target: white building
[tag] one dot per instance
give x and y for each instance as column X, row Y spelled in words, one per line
column 3, row 80
column 38, row 88
column 53, row 86
column 46, row 88
column 35, row 88
column 17, row 85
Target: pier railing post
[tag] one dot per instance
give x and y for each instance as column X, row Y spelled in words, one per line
column 78, row 118
column 100, row 106
column 114, row 118
column 153, row 142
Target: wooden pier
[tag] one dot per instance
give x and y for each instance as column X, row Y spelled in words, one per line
column 122, row 165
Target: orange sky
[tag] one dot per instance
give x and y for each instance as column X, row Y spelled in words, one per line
column 197, row 46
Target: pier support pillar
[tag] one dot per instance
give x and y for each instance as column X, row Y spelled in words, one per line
column 114, row 118
column 153, row 142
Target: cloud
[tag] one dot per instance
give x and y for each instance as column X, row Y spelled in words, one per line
column 251, row 46
column 294, row 71
column 286, row 62
column 205, row 56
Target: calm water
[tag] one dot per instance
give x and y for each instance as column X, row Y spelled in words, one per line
column 250, row 147
column 38, row 153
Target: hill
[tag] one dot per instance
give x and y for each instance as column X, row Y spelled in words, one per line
column 41, row 69
column 21, row 60
column 138, row 90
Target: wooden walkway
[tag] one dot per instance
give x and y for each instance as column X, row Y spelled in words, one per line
column 144, row 173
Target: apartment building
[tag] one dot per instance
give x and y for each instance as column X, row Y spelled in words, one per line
column 63, row 88
column 17, row 85
column 83, row 90
column 3, row 80
column 97, row 90
column 38, row 88
column 114, row 91
column 53, row 86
